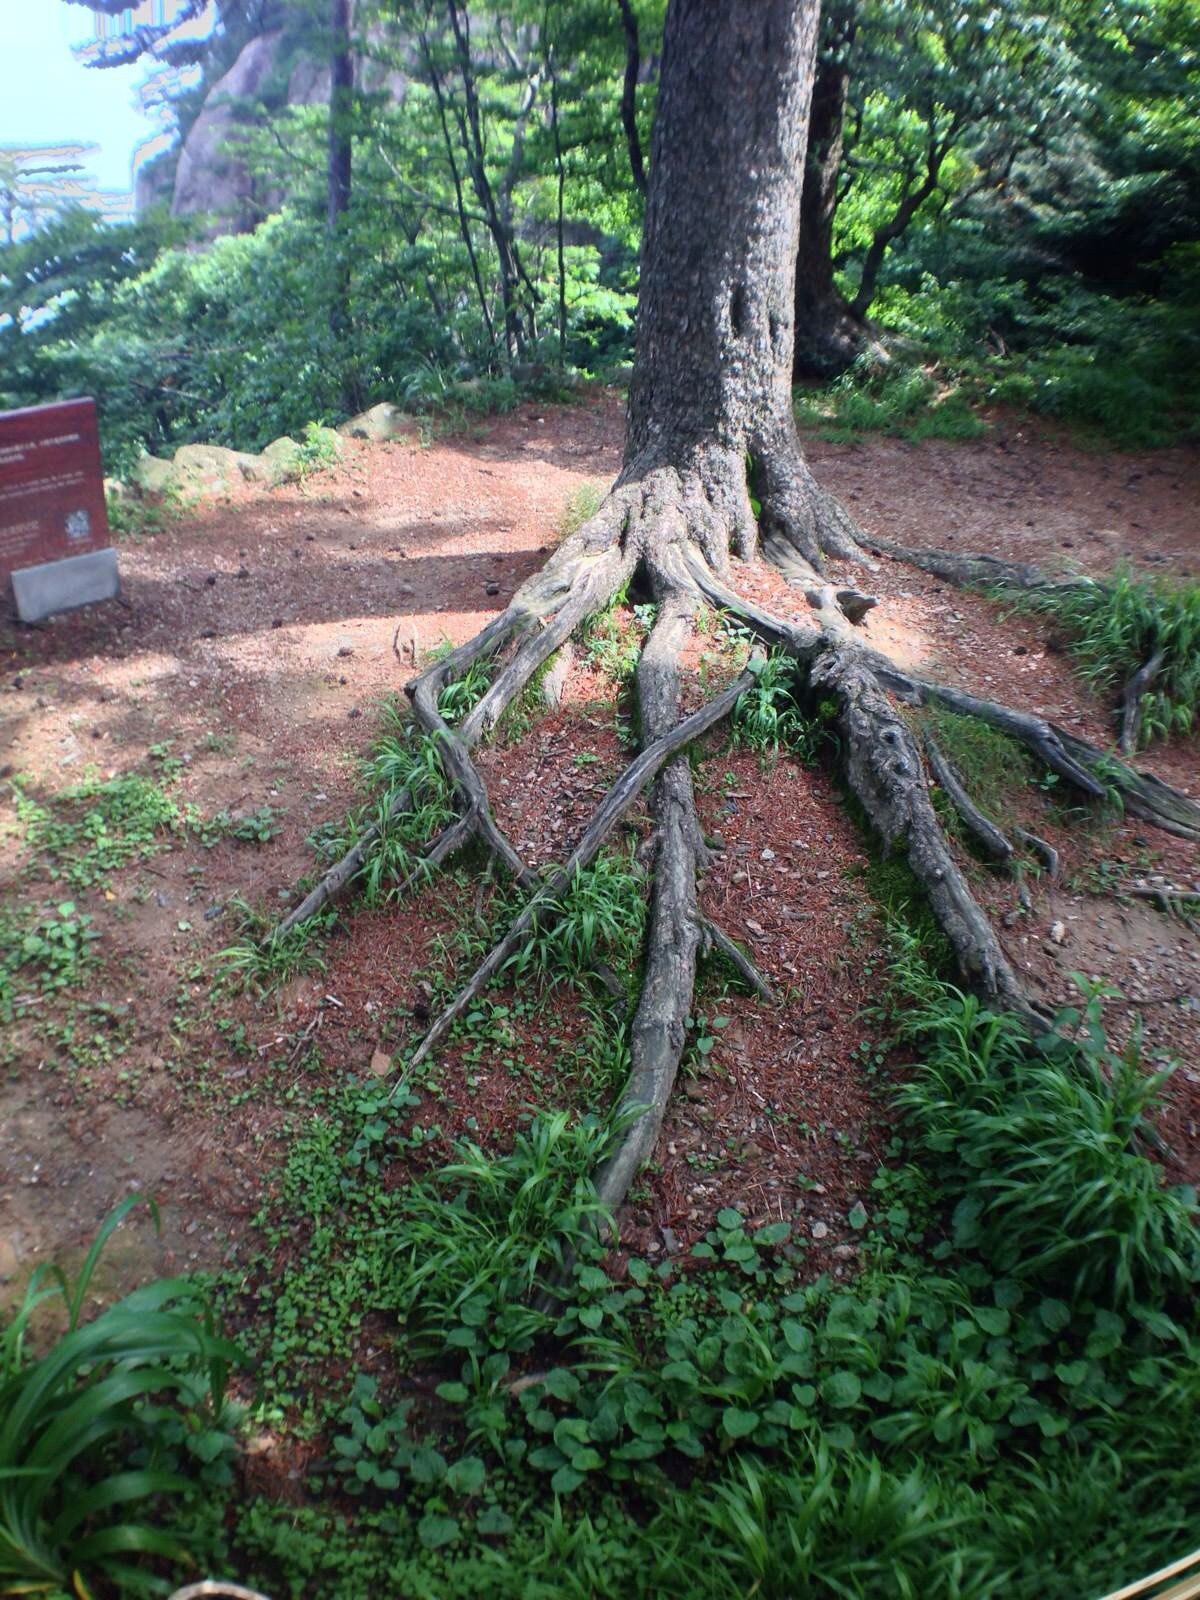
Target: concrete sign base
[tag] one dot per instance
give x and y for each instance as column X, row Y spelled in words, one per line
column 62, row 585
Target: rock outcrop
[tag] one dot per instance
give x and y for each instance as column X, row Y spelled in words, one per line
column 207, row 469
column 210, row 179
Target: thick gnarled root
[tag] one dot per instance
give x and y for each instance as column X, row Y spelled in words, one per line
column 660, row 1023
column 620, row 797
column 675, row 526
column 582, row 578
column 973, row 570
column 884, row 769
column 989, row 838
column 799, row 523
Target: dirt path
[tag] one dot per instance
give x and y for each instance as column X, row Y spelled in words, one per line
column 241, row 671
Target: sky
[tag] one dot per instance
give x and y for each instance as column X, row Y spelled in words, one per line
column 48, row 97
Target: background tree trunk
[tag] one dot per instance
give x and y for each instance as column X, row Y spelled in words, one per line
column 340, row 174
column 828, row 333
column 633, row 62
column 341, row 97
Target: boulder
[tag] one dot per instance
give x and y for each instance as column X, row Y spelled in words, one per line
column 256, row 469
column 213, row 467
column 155, row 476
column 281, row 459
column 211, row 175
column 381, row 424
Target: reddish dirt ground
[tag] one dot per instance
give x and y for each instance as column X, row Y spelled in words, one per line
column 255, row 638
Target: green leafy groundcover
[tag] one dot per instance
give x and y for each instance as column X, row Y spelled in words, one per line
column 1005, row 1400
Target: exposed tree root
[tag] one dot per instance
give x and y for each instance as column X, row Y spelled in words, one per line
column 799, row 522
column 976, row 571
column 450, row 839
column 476, row 811
column 1046, row 743
column 676, row 526
column 973, row 570
column 562, row 594
column 659, row 1029
column 884, row 769
column 982, row 829
column 1045, row 852
column 611, row 809
column 1131, row 701
column 1140, row 794
column 1169, row 898
column 715, row 938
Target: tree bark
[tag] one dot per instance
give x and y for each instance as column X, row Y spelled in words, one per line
column 633, row 64
column 713, row 370
column 341, row 98
column 828, row 333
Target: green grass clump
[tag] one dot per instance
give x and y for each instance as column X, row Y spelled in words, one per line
column 1114, row 628
column 612, row 639
column 122, row 1415
column 132, row 515
column 455, row 699
column 768, row 716
column 87, row 832
column 320, row 449
column 477, row 1240
column 1036, row 1152
column 582, row 505
column 601, row 917
column 403, row 760
column 457, row 1254
column 268, row 956
column 995, row 768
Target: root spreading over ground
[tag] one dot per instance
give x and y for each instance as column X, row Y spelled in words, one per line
column 678, row 536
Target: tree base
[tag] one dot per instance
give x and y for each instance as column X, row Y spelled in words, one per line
column 674, row 526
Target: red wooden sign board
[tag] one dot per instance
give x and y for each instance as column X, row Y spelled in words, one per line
column 51, row 486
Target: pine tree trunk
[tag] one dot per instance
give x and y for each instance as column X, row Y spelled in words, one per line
column 713, row 371
column 714, row 342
